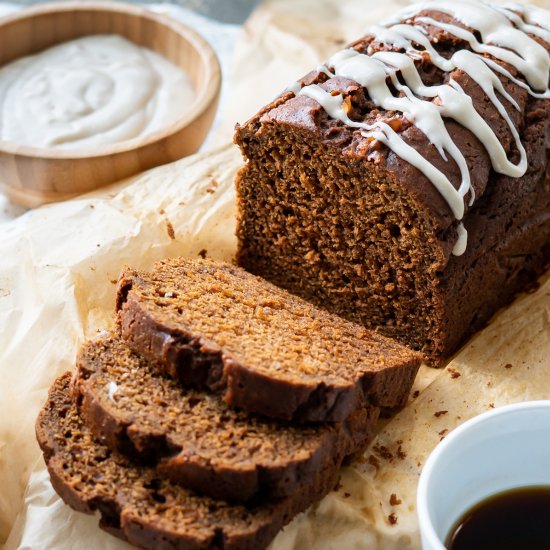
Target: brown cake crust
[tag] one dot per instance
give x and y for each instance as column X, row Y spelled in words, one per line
column 213, row 325
column 138, row 505
column 347, row 224
column 195, row 439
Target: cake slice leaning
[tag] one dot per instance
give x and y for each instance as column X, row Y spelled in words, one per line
column 142, row 507
column 195, row 439
column 213, row 325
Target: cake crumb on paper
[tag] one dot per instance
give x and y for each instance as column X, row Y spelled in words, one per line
column 170, row 229
column 394, row 501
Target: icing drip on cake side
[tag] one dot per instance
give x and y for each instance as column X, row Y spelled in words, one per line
column 503, row 32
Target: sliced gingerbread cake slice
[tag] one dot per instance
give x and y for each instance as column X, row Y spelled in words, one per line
column 194, row 438
column 141, row 506
column 213, row 325
column 404, row 184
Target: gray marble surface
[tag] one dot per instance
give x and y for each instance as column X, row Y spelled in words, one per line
column 226, row 11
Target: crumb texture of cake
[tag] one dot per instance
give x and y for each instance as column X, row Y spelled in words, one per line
column 213, row 325
column 403, row 185
column 195, row 439
column 144, row 508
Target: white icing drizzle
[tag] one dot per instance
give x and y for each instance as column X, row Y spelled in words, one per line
column 294, row 88
column 503, row 36
column 112, row 388
column 371, row 73
column 501, row 70
column 528, row 19
column 528, row 61
column 417, row 34
column 499, row 37
column 462, row 241
column 324, row 69
column 382, row 132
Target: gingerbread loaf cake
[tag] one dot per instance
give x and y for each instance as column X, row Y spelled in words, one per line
column 137, row 504
column 193, row 438
column 213, row 325
column 404, row 184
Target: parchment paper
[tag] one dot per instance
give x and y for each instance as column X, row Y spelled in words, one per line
column 58, row 264
column 58, row 270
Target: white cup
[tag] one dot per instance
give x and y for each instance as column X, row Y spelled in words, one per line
column 505, row 448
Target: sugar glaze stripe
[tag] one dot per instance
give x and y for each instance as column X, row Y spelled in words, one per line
column 504, row 36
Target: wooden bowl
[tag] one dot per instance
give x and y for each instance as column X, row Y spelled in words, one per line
column 33, row 176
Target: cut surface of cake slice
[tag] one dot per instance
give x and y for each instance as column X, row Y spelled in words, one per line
column 213, row 325
column 404, row 183
column 142, row 507
column 197, row 440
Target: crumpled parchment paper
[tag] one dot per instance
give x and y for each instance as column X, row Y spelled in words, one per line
column 58, row 269
column 58, row 265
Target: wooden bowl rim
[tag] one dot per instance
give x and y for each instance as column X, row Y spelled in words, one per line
column 203, row 101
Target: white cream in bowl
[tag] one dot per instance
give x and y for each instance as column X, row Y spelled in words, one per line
column 503, row 449
column 90, row 92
